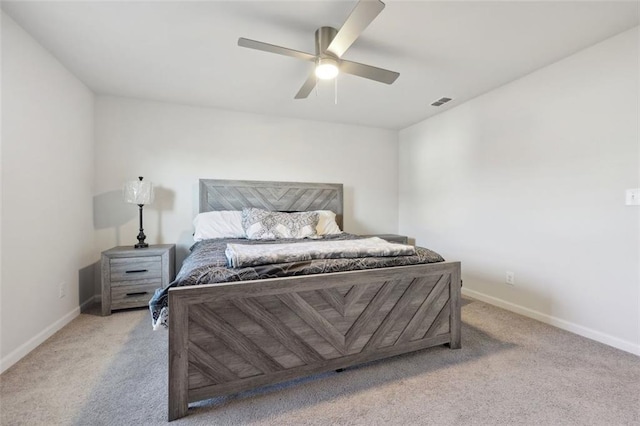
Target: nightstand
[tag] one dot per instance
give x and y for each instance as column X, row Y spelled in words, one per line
column 392, row 238
column 131, row 276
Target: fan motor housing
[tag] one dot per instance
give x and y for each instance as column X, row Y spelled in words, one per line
column 324, row 37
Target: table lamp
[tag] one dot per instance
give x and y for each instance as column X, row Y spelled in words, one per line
column 140, row 193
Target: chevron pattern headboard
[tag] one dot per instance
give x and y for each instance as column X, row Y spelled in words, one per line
column 216, row 194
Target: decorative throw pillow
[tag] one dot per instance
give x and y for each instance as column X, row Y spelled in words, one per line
column 261, row 224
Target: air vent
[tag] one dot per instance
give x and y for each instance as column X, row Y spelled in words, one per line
column 441, row 102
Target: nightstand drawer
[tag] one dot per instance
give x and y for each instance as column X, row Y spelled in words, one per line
column 140, row 268
column 131, row 296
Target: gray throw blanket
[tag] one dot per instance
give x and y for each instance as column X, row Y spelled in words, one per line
column 242, row 255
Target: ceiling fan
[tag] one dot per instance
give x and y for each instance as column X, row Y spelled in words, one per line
column 330, row 46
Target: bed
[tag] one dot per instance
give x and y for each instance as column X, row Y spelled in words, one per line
column 226, row 338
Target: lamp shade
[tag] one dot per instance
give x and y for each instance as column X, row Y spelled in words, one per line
column 138, row 192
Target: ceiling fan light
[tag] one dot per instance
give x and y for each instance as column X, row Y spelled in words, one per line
column 327, row 68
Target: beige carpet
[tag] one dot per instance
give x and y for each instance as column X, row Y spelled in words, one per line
column 511, row 370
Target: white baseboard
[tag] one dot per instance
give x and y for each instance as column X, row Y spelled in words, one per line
column 556, row 322
column 35, row 341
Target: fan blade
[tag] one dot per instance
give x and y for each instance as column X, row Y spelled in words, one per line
column 367, row 71
column 266, row 47
column 307, row 87
column 359, row 19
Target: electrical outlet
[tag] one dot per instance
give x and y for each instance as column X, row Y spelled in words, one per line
column 510, row 278
column 632, row 197
column 62, row 290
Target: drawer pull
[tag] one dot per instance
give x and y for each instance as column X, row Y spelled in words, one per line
column 137, row 293
column 137, row 271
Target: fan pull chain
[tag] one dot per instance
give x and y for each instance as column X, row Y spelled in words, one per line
column 335, row 91
column 316, row 86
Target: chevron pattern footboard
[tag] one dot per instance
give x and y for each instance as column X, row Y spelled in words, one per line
column 229, row 338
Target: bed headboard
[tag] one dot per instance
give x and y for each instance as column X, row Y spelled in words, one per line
column 216, row 194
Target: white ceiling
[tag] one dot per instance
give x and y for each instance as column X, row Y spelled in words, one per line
column 186, row 52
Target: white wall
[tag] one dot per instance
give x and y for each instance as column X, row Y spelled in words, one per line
column 530, row 178
column 47, row 175
column 173, row 146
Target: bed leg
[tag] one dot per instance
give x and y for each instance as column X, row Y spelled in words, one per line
column 453, row 345
column 178, row 357
column 455, row 320
column 177, row 410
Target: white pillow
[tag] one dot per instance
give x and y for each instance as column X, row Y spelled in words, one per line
column 222, row 224
column 327, row 224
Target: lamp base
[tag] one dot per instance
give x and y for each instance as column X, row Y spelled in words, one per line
column 141, row 236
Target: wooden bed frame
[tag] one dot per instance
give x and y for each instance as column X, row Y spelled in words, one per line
column 228, row 338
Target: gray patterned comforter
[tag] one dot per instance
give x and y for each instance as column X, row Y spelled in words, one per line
column 207, row 264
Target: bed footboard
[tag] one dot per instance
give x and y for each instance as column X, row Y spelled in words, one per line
column 227, row 338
